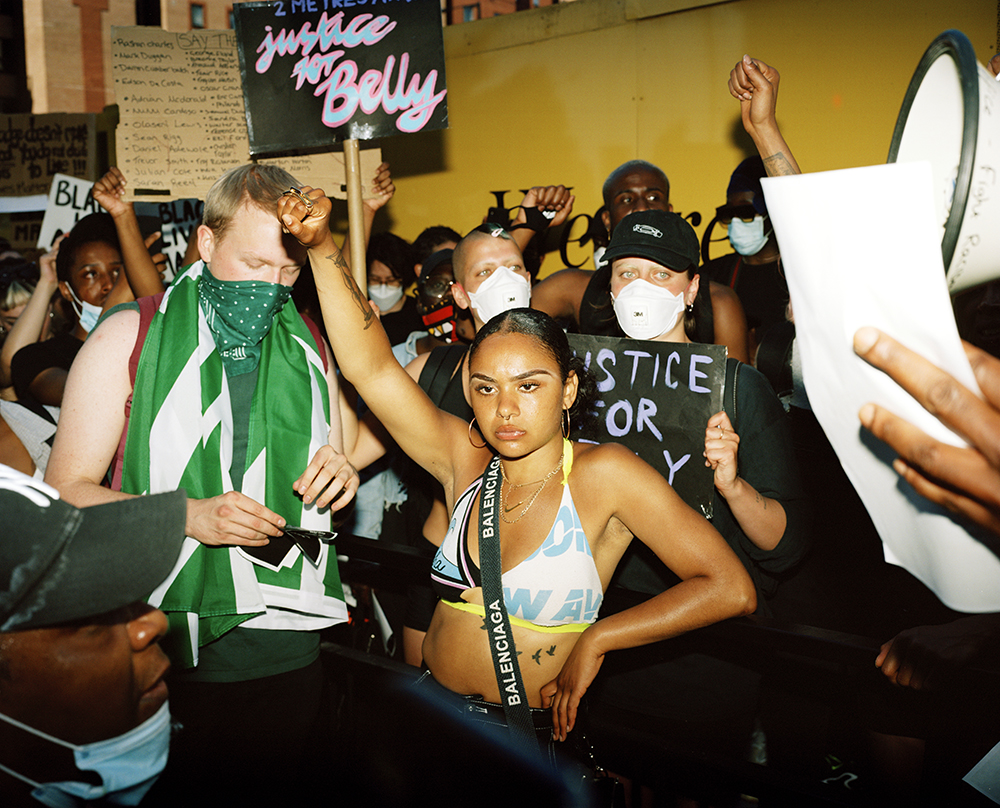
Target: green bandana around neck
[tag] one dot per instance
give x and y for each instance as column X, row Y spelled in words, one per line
column 240, row 314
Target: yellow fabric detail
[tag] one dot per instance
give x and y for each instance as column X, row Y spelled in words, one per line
column 567, row 459
column 477, row 609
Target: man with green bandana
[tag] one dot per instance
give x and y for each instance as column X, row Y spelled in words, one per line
column 233, row 397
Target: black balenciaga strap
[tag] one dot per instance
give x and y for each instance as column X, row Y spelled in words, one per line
column 508, row 672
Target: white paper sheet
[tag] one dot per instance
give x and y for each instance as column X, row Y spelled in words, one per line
column 985, row 775
column 861, row 247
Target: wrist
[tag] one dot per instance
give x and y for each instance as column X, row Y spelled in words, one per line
column 732, row 489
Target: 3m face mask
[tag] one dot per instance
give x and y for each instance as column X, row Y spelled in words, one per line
column 127, row 764
column 647, row 311
column 502, row 291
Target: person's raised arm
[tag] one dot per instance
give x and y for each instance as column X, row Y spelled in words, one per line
column 429, row 436
column 755, row 85
column 544, row 206
column 140, row 271
column 30, row 325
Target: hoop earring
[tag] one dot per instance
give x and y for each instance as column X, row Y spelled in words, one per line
column 473, row 421
column 565, row 434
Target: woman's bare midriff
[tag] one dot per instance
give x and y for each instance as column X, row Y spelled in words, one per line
column 457, row 652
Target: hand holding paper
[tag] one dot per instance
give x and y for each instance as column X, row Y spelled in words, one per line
column 965, row 480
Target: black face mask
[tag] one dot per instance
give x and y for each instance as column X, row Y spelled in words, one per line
column 436, row 305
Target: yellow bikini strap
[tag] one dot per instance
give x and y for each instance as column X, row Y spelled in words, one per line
column 567, row 459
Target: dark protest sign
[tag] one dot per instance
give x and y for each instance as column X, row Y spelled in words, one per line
column 178, row 222
column 313, row 74
column 34, row 148
column 656, row 399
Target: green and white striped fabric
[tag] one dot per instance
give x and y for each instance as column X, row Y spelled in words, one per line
column 180, row 436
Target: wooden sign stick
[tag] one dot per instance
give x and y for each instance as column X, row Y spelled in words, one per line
column 355, row 213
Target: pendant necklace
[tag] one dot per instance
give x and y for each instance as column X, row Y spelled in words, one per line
column 530, row 500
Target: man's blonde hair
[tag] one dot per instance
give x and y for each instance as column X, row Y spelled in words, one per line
column 253, row 183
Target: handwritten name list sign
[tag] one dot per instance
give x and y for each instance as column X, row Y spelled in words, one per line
column 180, row 108
column 656, row 399
column 313, row 75
column 182, row 122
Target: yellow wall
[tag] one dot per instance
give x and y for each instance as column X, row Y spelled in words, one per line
column 564, row 94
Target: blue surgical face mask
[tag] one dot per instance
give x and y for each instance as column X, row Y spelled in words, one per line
column 88, row 313
column 747, row 238
column 127, row 764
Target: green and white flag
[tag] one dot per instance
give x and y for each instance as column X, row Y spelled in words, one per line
column 180, row 436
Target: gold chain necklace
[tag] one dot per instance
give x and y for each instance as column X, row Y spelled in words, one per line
column 531, row 500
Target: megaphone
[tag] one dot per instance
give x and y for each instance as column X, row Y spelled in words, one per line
column 951, row 118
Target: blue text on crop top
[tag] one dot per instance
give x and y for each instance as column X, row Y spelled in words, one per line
column 558, row 584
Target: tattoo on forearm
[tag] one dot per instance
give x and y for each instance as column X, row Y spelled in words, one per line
column 777, row 165
column 352, row 287
column 760, row 499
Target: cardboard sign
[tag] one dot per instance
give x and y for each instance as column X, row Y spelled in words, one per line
column 656, row 399
column 312, row 75
column 182, row 122
column 34, row 148
column 69, row 201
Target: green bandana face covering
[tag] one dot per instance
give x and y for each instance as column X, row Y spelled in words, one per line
column 240, row 314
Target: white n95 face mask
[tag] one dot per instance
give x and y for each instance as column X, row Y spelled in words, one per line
column 647, row 311
column 127, row 764
column 502, row 291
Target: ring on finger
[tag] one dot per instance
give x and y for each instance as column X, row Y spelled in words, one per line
column 303, row 198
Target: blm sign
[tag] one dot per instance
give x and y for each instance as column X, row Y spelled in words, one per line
column 656, row 399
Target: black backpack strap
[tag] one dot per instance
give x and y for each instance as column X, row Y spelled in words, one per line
column 774, row 357
column 439, row 368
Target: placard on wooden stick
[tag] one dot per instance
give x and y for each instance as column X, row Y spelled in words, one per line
column 182, row 122
column 311, row 77
column 656, row 399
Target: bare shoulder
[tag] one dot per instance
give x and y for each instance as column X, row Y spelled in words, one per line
column 559, row 295
column 610, row 467
column 723, row 295
column 114, row 334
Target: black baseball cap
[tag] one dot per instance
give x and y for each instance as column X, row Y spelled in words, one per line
column 59, row 564
column 660, row 236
